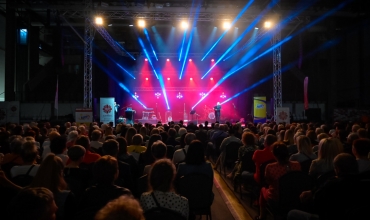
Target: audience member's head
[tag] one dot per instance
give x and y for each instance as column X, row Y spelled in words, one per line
column 72, row 136
column 351, row 137
column 248, row 139
column 304, row 145
column 29, row 152
column 33, row 203
column 76, row 153
column 362, row 133
column 58, row 145
column 189, row 137
column 16, row 145
column 161, row 175
column 269, row 140
column 83, row 141
column 123, row 207
column 345, row 164
column 328, row 149
column 122, row 145
column 105, row 170
column 281, row 152
column 361, row 148
column 110, row 147
column 172, row 132
column 195, row 153
column 159, row 150
column 137, row 139
column 50, row 174
column 129, row 134
column 95, row 135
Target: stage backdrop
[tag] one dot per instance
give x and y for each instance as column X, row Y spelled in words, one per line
column 259, row 104
column 9, row 112
column 107, row 110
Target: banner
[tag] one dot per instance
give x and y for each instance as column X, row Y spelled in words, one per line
column 107, row 110
column 283, row 115
column 305, row 85
column 9, row 112
column 84, row 116
column 259, row 104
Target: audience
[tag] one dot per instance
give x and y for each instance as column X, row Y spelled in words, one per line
column 123, row 207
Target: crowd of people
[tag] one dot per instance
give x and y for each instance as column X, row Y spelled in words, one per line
column 92, row 172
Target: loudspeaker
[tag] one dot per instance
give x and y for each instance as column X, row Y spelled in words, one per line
column 313, row 114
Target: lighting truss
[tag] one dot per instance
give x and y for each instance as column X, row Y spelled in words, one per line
column 104, row 33
column 277, row 70
column 88, row 49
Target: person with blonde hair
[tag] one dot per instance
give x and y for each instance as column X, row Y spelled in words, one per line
column 329, row 148
column 46, row 145
column 304, row 150
column 123, row 207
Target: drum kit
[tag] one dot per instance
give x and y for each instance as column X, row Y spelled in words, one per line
column 209, row 113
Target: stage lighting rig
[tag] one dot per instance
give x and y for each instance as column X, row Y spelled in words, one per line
column 184, row 25
column 99, row 20
column 141, row 23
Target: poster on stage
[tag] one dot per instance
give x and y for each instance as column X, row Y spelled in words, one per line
column 9, row 112
column 107, row 110
column 84, row 116
column 259, row 104
column 282, row 115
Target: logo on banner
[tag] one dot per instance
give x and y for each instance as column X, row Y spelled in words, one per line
column 283, row 115
column 85, row 117
column 107, row 109
column 260, row 106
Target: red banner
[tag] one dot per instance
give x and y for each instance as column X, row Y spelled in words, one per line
column 305, row 85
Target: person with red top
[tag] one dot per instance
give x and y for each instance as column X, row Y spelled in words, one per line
column 262, row 156
column 89, row 157
column 272, row 175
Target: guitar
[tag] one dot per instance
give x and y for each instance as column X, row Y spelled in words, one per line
column 185, row 114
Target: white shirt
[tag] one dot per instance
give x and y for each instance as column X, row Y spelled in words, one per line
column 179, row 156
column 96, row 144
column 20, row 170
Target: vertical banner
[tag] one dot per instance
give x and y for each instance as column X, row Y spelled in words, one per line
column 84, row 116
column 305, row 85
column 107, row 110
column 259, row 104
column 283, row 115
column 9, row 112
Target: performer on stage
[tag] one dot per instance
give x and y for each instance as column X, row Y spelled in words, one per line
column 217, row 109
column 116, row 112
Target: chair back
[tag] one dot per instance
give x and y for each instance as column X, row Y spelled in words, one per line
column 197, row 188
column 262, row 172
column 291, row 185
column 142, row 185
column 247, row 162
column 163, row 214
column 231, row 152
column 305, row 165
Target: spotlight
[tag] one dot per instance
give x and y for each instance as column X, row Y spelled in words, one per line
column 211, row 78
column 146, row 59
column 184, row 25
column 168, row 78
column 190, row 60
column 131, row 25
column 268, row 24
column 168, row 60
column 256, row 28
column 213, row 60
column 146, row 79
column 191, row 78
column 226, row 25
column 141, row 23
column 99, row 20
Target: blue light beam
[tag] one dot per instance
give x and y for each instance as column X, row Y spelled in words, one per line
column 151, row 45
column 125, row 50
column 232, row 24
column 147, row 56
column 182, row 46
column 252, row 25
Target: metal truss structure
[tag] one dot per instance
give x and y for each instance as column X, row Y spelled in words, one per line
column 88, row 53
column 277, row 82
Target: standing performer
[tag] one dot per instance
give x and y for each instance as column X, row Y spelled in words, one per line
column 116, row 112
column 217, row 109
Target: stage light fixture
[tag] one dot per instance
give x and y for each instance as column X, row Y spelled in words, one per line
column 168, row 78
column 141, row 23
column 184, row 25
column 99, row 20
column 191, row 78
column 146, row 79
column 267, row 24
column 226, row 25
column 256, row 28
column 131, row 25
column 190, row 60
column 168, row 60
column 211, row 78
column 146, row 60
column 213, row 60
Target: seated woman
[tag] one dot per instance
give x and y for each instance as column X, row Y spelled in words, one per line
column 273, row 172
column 305, row 154
column 195, row 161
column 328, row 149
column 29, row 156
column 162, row 194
